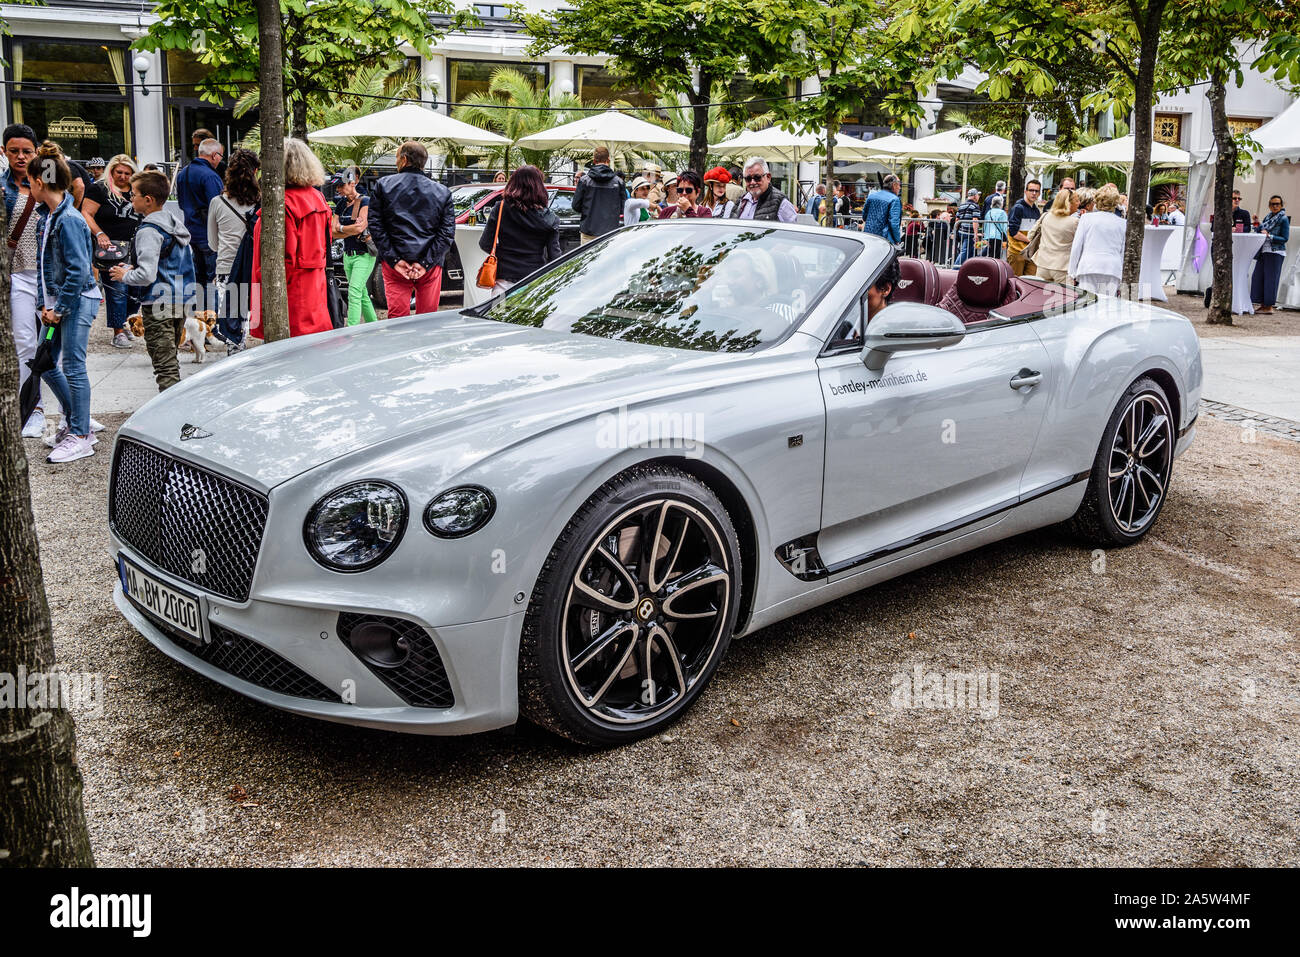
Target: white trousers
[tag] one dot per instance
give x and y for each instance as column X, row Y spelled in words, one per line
column 1098, row 283
column 26, row 326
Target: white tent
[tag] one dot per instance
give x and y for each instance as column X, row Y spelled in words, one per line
column 410, row 121
column 609, row 129
column 1279, row 138
column 967, row 146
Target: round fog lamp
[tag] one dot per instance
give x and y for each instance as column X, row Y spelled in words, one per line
column 459, row 511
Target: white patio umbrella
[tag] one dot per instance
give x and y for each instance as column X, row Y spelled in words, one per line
column 410, row 121
column 609, row 129
column 967, row 146
column 1119, row 153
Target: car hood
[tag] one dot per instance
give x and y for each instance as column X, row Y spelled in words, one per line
column 287, row 407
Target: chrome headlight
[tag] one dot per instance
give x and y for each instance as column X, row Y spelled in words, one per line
column 459, row 511
column 356, row 527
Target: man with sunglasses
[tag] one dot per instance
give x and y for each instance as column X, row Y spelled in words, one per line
column 690, row 191
column 1025, row 211
column 762, row 200
column 1241, row 218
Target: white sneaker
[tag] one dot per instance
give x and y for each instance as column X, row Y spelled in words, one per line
column 61, row 433
column 72, row 447
column 96, row 425
column 35, row 426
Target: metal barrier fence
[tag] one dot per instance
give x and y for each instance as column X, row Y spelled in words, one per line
column 950, row 243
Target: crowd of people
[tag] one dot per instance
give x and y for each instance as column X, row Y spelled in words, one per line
column 104, row 235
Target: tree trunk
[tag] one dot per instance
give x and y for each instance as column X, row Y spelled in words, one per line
column 1225, row 170
column 832, row 127
column 300, row 118
column 700, row 123
column 42, row 821
column 1143, row 103
column 1016, row 174
column 274, row 287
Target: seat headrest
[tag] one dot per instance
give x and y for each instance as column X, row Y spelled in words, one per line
column 983, row 282
column 918, row 282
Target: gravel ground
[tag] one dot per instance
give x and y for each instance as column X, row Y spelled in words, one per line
column 1148, row 713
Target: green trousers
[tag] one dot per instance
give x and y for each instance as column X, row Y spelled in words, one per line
column 358, row 267
column 162, row 327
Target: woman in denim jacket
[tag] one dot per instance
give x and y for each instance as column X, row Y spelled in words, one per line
column 68, row 296
column 1268, row 265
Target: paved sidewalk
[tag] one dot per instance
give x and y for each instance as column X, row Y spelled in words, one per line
column 122, row 380
column 1259, row 373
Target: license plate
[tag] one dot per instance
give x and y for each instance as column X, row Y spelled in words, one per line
column 179, row 610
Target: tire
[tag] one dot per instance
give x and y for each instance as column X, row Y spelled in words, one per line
column 607, row 656
column 1129, row 481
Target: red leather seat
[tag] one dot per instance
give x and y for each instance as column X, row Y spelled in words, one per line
column 918, row 282
column 982, row 284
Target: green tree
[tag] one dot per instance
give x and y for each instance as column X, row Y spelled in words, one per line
column 1032, row 58
column 853, row 47
column 42, row 819
column 675, row 48
column 514, row 107
column 1207, row 41
column 373, row 88
column 325, row 42
column 274, row 285
column 722, row 126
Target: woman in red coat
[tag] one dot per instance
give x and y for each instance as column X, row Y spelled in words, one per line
column 306, row 245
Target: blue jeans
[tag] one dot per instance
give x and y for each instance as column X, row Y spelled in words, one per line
column 965, row 247
column 68, row 379
column 120, row 301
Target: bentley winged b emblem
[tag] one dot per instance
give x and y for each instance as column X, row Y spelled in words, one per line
column 193, row 432
column 979, row 280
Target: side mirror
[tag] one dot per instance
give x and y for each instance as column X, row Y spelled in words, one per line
column 908, row 326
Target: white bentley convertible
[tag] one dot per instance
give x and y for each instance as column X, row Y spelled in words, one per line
column 567, row 502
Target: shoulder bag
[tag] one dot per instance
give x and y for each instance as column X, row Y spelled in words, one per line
column 487, row 273
column 16, row 233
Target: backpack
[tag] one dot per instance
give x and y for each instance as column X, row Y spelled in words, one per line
column 174, row 282
column 239, row 284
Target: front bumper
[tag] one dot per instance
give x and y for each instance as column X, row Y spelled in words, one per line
column 480, row 659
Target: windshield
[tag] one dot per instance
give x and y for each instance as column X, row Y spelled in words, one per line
column 466, row 197
column 704, row 286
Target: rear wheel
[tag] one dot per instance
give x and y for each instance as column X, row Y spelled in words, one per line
column 633, row 610
column 1130, row 475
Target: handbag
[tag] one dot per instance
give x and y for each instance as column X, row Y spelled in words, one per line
column 487, row 273
column 1035, row 237
column 114, row 254
column 19, row 226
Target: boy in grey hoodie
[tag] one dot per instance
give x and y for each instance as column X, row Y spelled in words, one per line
column 164, row 264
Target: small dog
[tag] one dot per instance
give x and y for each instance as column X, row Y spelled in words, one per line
column 195, row 335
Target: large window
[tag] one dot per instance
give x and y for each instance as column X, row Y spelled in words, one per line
column 467, row 77
column 77, row 94
column 187, row 111
column 595, row 83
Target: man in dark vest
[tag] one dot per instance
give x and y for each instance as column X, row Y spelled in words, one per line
column 762, row 200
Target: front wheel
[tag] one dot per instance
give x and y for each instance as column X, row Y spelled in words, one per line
column 1130, row 475
column 633, row 610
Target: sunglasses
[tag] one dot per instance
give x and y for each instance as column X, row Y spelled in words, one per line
column 686, row 190
column 755, row 179
column 1236, row 199
column 1274, row 204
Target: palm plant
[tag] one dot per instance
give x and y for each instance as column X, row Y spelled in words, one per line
column 515, row 108
column 371, row 88
column 681, row 119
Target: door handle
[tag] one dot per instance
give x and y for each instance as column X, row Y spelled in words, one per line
column 1025, row 379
